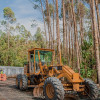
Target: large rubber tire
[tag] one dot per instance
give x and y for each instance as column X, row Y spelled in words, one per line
column 18, row 81
column 23, row 82
column 58, row 93
column 91, row 88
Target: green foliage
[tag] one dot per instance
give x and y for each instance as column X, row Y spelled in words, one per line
column 88, row 61
column 9, row 14
column 16, row 55
column 64, row 61
column 39, row 39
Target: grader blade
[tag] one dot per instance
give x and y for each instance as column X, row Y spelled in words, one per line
column 38, row 92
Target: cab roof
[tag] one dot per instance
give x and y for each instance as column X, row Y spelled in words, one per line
column 40, row 49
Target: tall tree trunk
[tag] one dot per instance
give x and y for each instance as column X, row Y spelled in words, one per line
column 69, row 44
column 8, row 33
column 44, row 22
column 49, row 24
column 98, row 18
column 69, row 33
column 96, row 45
column 81, row 29
column 51, row 42
column 58, row 33
column 66, row 41
column 8, row 40
column 64, row 30
column 72, row 35
column 72, row 47
column 81, row 38
column 76, row 37
column 93, row 48
column 53, row 24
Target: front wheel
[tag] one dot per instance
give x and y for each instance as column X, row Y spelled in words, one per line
column 23, row 82
column 53, row 89
column 18, row 81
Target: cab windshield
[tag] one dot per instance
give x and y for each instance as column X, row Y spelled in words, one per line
column 45, row 57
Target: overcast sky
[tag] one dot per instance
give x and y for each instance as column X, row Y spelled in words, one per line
column 24, row 13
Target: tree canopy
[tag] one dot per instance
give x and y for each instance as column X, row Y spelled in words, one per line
column 9, row 14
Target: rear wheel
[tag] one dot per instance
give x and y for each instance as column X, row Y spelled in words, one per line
column 91, row 89
column 23, row 82
column 53, row 89
column 18, row 81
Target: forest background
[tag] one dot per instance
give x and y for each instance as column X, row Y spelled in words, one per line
column 71, row 27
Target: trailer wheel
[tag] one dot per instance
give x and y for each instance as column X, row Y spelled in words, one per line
column 53, row 89
column 18, row 81
column 91, row 89
column 23, row 83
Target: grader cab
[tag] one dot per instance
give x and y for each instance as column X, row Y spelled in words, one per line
column 54, row 82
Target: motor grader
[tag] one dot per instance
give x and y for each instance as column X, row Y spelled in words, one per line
column 54, row 82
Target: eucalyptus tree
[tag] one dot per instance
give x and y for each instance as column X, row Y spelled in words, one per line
column 97, row 2
column 58, row 33
column 39, row 39
column 49, row 22
column 41, row 6
column 53, row 24
column 44, row 21
column 10, row 18
column 95, row 35
column 64, row 29
column 75, row 37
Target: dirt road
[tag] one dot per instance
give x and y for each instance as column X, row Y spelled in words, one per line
column 8, row 91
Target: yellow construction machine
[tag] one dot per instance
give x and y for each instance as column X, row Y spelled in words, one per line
column 54, row 82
